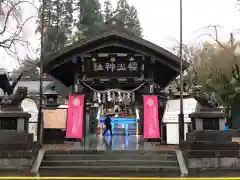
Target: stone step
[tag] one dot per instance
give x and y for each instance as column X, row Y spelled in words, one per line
column 113, row 156
column 117, row 152
column 116, row 174
column 112, row 163
column 117, row 168
column 93, row 162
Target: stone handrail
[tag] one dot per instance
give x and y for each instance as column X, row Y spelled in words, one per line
column 37, row 162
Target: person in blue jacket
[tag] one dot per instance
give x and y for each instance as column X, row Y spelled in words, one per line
column 108, row 125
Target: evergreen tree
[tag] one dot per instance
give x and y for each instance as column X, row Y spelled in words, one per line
column 108, row 10
column 59, row 24
column 58, row 20
column 134, row 22
column 90, row 18
column 122, row 11
column 57, row 30
column 129, row 16
column 46, row 12
column 67, row 19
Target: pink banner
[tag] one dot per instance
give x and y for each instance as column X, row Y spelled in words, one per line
column 151, row 121
column 75, row 117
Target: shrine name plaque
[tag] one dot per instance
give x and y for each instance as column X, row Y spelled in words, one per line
column 113, row 65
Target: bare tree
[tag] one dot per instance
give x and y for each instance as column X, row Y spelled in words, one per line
column 217, row 66
column 211, row 31
column 12, row 26
column 201, row 57
column 189, row 51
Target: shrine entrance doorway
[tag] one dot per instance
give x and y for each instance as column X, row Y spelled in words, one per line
column 113, row 70
column 120, row 106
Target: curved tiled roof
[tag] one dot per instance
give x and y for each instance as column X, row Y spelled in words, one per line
column 115, row 32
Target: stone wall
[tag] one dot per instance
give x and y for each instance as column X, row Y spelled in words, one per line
column 208, row 163
column 15, row 163
column 17, row 150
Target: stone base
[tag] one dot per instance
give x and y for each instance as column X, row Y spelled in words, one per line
column 17, row 150
column 208, row 146
column 14, row 120
column 214, row 163
column 15, row 163
column 210, row 136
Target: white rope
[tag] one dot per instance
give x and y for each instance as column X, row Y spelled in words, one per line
column 113, row 90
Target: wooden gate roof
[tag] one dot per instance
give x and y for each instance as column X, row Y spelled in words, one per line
column 57, row 63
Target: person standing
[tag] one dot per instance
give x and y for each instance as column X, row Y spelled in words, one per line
column 108, row 125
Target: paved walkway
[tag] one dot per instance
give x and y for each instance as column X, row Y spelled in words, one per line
column 93, row 142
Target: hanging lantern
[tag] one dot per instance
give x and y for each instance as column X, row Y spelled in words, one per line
column 104, row 98
column 133, row 97
column 124, row 97
column 119, row 96
column 128, row 97
column 109, row 96
column 113, row 96
column 75, row 88
column 99, row 97
column 94, row 96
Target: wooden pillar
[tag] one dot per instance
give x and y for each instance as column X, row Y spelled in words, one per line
column 151, row 88
column 75, row 75
column 76, row 83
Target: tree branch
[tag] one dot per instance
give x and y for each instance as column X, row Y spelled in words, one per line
column 10, row 11
column 215, row 38
column 7, row 43
column 12, row 38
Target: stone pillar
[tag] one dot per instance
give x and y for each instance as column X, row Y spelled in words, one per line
column 137, row 121
column 76, row 76
column 76, row 82
column 21, row 125
column 151, row 88
column 141, row 121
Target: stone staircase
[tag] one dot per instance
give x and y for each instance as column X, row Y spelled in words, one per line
column 110, row 163
column 17, row 153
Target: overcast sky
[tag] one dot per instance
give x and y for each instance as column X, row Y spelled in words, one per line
column 160, row 20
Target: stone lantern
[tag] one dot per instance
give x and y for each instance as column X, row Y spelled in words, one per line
column 51, row 97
